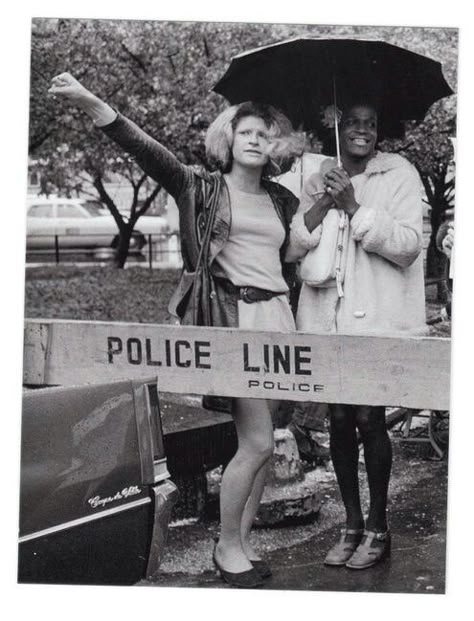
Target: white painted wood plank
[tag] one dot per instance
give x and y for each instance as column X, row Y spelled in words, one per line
column 393, row 371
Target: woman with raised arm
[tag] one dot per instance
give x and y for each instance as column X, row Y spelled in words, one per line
column 251, row 282
column 373, row 285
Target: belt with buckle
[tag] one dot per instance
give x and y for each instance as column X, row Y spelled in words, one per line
column 248, row 294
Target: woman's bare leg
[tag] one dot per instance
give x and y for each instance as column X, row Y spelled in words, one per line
column 253, row 503
column 250, row 511
column 242, row 479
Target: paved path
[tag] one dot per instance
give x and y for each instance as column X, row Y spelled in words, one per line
column 296, row 552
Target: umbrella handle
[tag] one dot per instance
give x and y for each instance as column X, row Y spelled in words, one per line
column 338, row 149
column 336, row 122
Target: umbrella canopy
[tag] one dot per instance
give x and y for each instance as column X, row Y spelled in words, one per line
column 301, row 75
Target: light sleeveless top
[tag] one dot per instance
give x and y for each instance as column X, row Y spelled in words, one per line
column 251, row 256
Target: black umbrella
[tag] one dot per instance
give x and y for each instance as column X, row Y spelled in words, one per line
column 301, row 75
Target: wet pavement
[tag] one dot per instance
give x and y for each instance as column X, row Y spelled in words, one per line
column 417, row 513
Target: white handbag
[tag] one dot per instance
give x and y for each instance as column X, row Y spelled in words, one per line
column 324, row 265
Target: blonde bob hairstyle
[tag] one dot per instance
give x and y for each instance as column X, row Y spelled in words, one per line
column 285, row 143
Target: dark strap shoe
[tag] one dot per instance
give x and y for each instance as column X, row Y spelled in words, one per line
column 262, row 568
column 340, row 553
column 373, row 548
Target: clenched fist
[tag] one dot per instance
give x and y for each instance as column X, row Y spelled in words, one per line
column 65, row 85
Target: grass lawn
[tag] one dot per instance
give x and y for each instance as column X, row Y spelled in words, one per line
column 135, row 294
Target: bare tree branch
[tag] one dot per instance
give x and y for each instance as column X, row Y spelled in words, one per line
column 136, row 59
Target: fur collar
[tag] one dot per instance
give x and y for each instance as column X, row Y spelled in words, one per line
column 383, row 162
column 380, row 163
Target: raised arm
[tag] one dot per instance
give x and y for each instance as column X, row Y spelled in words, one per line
column 155, row 160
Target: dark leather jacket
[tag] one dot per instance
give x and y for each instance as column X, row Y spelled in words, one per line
column 185, row 184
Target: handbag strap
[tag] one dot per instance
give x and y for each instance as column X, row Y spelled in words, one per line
column 343, row 222
column 210, row 202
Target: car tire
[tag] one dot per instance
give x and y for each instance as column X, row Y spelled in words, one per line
column 139, row 239
column 137, row 242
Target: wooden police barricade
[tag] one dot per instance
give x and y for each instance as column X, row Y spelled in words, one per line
column 410, row 372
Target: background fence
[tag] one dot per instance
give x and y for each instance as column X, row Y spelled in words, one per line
column 160, row 250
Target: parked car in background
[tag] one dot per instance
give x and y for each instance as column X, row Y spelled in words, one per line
column 78, row 224
column 95, row 492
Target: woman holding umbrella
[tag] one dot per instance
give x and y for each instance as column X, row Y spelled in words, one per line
column 358, row 229
column 379, row 291
column 245, row 219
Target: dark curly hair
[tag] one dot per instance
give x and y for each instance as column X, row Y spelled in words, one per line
column 387, row 127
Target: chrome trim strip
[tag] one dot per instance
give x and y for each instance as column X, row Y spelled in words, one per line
column 84, row 520
column 161, row 476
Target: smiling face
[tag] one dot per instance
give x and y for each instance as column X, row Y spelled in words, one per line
column 358, row 132
column 251, row 142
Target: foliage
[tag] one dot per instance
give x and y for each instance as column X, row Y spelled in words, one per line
column 161, row 74
column 135, row 294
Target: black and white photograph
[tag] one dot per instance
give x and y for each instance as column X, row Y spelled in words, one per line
column 238, row 302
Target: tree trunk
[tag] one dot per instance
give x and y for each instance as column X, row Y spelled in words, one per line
column 123, row 245
column 125, row 227
column 436, row 260
column 436, row 268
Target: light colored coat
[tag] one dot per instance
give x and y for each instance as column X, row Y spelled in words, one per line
column 384, row 280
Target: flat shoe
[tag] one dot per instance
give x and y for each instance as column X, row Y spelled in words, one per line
column 249, row 579
column 373, row 548
column 262, row 567
column 340, row 553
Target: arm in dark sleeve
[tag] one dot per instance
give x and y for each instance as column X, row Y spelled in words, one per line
column 154, row 159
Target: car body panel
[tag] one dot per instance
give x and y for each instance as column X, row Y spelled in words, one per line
column 75, row 223
column 75, row 460
column 112, row 550
column 90, row 456
column 152, row 225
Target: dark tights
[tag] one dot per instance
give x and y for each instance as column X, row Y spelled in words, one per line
column 369, row 421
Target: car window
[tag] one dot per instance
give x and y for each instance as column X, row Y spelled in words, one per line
column 94, row 209
column 40, row 211
column 70, row 211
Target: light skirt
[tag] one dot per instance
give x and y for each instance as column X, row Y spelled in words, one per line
column 268, row 315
